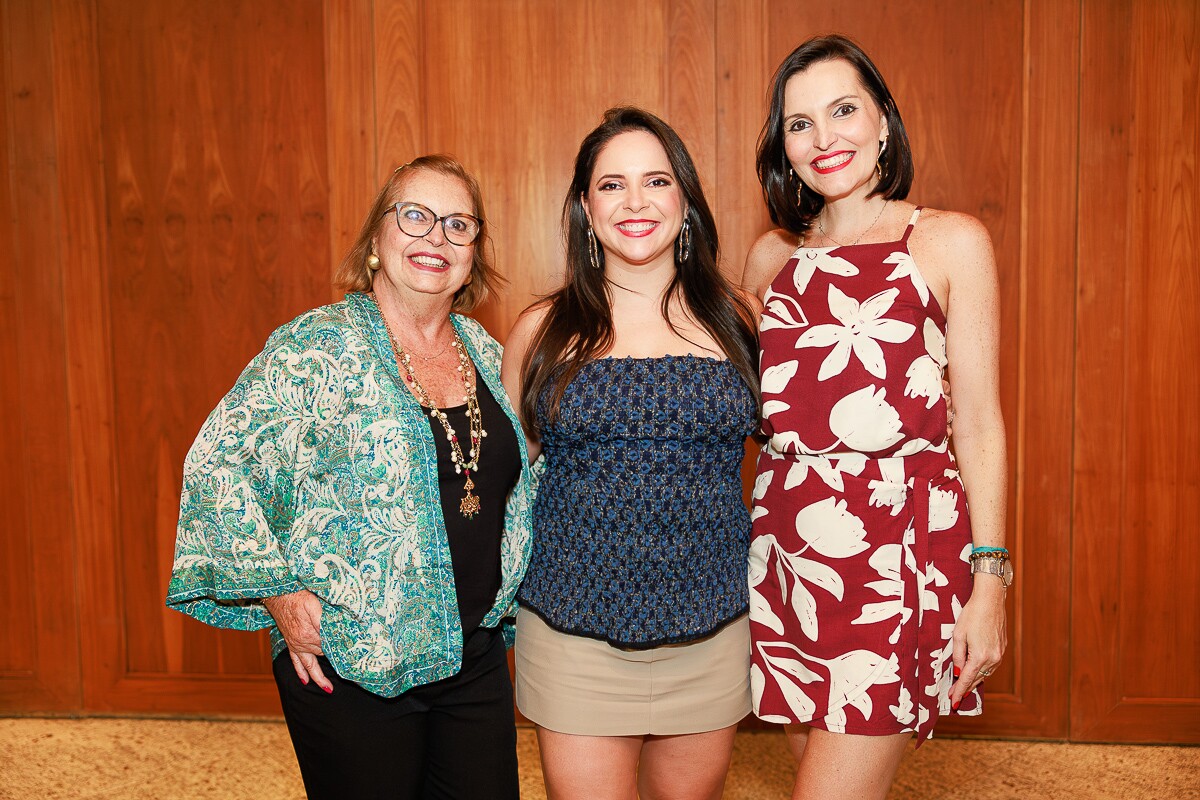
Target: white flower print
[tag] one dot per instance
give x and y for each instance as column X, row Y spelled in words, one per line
column 809, row 261
column 792, row 570
column 761, row 483
column 924, row 380
column 860, row 326
column 906, row 267
column 760, row 608
column 775, row 379
column 943, row 509
column 830, row 529
column 850, row 671
column 829, row 469
column 789, row 673
column 886, row 561
column 903, row 711
column 864, row 421
column 925, row 372
column 891, row 489
column 773, row 407
column 781, row 311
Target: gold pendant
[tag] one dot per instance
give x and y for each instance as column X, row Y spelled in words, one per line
column 469, row 506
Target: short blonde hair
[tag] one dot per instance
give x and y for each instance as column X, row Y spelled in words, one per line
column 353, row 274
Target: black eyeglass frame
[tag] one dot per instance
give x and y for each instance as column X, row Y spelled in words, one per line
column 436, row 219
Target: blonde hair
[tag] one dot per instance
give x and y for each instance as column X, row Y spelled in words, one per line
column 353, row 274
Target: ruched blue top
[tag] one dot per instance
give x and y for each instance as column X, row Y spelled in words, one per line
column 640, row 532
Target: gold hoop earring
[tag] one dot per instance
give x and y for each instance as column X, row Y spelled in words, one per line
column 685, row 242
column 373, row 262
column 593, row 249
column 879, row 159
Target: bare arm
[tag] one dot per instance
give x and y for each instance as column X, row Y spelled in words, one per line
column 965, row 258
column 515, row 349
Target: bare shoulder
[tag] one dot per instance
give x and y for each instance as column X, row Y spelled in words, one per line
column 527, row 324
column 767, row 256
column 951, row 240
column 954, row 228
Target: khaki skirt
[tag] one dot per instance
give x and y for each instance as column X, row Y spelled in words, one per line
column 573, row 684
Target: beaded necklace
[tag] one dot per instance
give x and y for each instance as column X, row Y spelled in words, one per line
column 469, row 506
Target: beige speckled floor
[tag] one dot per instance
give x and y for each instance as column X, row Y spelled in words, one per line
column 160, row 759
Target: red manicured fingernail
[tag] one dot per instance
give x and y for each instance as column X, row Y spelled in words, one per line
column 954, row 706
column 328, row 689
column 304, row 681
column 957, row 672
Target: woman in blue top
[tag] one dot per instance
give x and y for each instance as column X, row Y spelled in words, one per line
column 363, row 492
column 637, row 382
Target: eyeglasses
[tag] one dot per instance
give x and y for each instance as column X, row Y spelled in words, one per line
column 414, row 219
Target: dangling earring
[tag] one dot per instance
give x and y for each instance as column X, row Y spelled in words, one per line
column 593, row 249
column 879, row 159
column 799, row 185
column 685, row 242
column 373, row 262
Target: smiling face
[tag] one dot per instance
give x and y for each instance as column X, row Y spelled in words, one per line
column 429, row 264
column 832, row 129
column 634, row 202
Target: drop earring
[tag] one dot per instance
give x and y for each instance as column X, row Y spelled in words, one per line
column 685, row 242
column 593, row 248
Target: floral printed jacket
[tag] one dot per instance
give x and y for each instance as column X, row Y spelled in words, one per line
column 318, row 470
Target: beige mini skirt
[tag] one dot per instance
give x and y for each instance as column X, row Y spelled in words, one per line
column 573, row 684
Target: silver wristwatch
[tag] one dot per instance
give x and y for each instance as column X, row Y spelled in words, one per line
column 1002, row 568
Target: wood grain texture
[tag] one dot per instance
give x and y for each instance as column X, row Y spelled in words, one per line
column 539, row 74
column 1134, row 631
column 39, row 665
column 215, row 186
column 351, row 130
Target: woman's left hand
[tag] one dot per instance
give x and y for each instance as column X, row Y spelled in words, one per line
column 979, row 637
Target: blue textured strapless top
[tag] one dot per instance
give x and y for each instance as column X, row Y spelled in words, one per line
column 640, row 534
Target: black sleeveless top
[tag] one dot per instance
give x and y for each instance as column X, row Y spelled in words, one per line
column 475, row 543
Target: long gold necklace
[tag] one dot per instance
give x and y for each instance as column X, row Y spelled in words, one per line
column 469, row 505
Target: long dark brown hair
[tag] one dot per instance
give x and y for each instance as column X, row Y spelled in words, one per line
column 779, row 183
column 578, row 325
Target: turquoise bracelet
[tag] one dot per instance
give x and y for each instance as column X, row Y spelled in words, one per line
column 1000, row 552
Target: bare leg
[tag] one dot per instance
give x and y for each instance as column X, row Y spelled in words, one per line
column 686, row 767
column 589, row 767
column 842, row 765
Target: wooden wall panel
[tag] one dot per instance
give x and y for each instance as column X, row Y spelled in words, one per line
column 217, row 194
column 39, row 638
column 1135, row 631
column 538, row 75
column 350, row 37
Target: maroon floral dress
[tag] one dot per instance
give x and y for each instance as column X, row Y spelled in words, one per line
column 859, row 552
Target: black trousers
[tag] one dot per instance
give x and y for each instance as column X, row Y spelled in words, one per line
column 455, row 739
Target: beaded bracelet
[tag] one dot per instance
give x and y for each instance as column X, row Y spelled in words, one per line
column 998, row 553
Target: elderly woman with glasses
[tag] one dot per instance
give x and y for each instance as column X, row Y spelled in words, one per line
column 362, row 491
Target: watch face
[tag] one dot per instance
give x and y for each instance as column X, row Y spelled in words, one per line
column 1006, row 572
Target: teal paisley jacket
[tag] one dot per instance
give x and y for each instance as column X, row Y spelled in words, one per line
column 318, row 470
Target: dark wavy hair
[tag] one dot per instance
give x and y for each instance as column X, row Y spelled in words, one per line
column 353, row 275
column 578, row 325
column 779, row 183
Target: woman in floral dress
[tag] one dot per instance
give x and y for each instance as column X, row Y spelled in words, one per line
column 866, row 620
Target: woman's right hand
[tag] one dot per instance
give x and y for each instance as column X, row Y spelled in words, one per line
column 298, row 616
